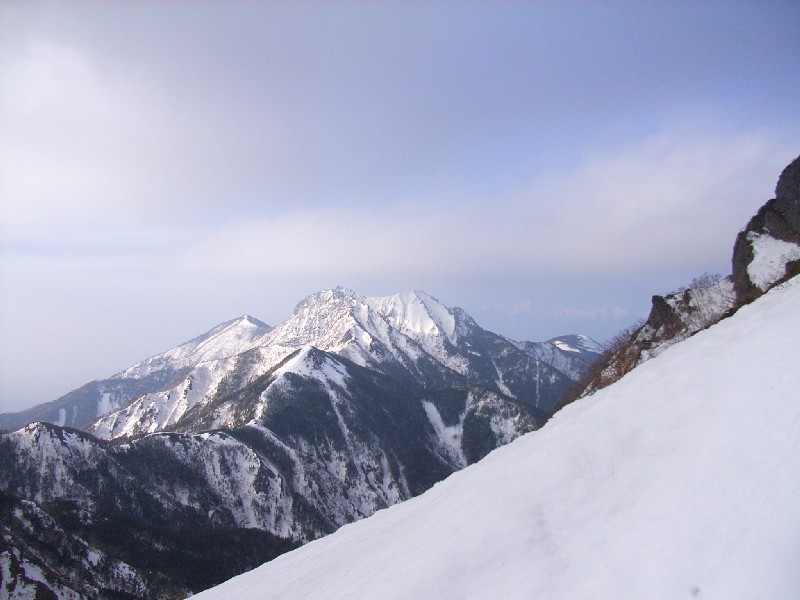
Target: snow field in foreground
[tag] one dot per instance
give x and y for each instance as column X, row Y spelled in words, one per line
column 680, row 481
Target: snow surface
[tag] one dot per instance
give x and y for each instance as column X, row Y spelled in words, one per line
column 224, row 341
column 416, row 312
column 105, row 404
column 564, row 346
column 770, row 256
column 450, row 436
column 682, row 480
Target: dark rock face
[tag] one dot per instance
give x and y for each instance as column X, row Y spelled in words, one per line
column 778, row 218
column 664, row 318
column 787, row 194
column 681, row 314
column 61, row 550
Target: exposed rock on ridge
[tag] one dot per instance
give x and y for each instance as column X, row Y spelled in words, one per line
column 765, row 253
column 768, row 249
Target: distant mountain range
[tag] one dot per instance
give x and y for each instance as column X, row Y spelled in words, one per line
column 264, row 438
column 410, row 337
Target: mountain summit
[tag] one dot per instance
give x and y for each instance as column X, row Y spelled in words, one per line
column 411, row 337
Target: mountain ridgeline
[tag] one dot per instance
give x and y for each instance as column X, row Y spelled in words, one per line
column 262, row 439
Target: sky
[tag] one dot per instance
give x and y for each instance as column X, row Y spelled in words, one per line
column 547, row 166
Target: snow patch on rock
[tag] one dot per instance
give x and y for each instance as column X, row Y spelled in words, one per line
column 770, row 256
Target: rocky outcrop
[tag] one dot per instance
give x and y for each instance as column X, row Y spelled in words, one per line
column 787, row 194
column 683, row 313
column 768, row 249
column 765, row 253
column 672, row 318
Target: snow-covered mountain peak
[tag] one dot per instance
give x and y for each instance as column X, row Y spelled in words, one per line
column 244, row 326
column 416, row 313
column 251, row 321
column 328, row 296
column 223, row 341
column 334, row 318
column 410, row 335
column 322, row 319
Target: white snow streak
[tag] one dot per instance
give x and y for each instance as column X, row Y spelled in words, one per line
column 449, row 436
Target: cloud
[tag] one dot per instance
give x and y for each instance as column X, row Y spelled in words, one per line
column 672, row 200
column 179, row 164
column 676, row 197
column 74, row 142
column 615, row 313
column 346, row 240
column 527, row 307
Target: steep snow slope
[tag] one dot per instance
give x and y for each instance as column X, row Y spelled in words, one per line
column 682, row 480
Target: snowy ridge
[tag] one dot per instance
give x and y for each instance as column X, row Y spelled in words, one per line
column 666, row 484
column 223, row 341
column 691, row 310
column 411, row 336
column 405, row 327
column 570, row 354
column 162, row 373
column 416, row 314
